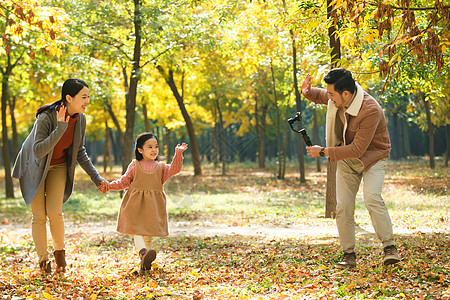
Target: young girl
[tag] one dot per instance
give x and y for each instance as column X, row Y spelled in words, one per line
column 143, row 211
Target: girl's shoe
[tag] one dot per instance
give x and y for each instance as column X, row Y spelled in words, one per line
column 45, row 267
column 147, row 257
column 60, row 258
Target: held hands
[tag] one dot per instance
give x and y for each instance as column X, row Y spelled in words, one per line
column 61, row 114
column 306, row 85
column 313, row 151
column 103, row 187
column 182, row 148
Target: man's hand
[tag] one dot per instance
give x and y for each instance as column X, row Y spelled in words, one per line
column 306, row 85
column 314, row 151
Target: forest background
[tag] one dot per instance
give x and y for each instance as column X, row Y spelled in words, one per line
column 224, row 76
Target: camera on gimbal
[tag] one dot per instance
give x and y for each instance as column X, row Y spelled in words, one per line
column 305, row 136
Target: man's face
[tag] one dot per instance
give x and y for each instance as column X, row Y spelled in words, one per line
column 340, row 100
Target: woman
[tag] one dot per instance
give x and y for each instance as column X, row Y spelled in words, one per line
column 45, row 167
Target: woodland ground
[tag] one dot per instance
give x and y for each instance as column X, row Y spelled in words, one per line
column 246, row 235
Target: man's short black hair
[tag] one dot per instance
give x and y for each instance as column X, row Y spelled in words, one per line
column 342, row 80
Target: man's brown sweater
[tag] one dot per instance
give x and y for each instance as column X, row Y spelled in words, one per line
column 366, row 135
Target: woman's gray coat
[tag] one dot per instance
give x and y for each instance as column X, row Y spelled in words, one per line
column 34, row 158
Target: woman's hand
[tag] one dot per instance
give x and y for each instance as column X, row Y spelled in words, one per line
column 61, row 114
column 103, row 187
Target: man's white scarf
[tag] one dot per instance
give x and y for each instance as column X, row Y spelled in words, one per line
column 353, row 109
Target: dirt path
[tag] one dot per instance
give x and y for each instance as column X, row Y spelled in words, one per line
column 13, row 234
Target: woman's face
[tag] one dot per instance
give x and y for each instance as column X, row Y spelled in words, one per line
column 78, row 104
column 149, row 150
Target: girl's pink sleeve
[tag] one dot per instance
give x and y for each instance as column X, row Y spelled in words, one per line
column 125, row 180
column 172, row 169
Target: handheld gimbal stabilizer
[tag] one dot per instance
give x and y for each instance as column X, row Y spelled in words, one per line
column 302, row 131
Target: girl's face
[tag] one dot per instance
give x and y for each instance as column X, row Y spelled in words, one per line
column 78, row 104
column 150, row 149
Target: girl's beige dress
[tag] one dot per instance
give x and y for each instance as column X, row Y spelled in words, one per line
column 143, row 208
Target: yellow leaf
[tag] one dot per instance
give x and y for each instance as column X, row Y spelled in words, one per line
column 93, row 297
column 154, row 284
column 47, row 296
column 155, row 266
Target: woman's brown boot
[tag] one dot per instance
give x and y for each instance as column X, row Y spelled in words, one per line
column 45, row 267
column 60, row 258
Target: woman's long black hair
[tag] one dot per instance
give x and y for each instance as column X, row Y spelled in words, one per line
column 70, row 87
column 140, row 141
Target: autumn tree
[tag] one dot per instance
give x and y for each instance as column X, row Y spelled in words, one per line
column 128, row 37
column 419, row 27
column 26, row 27
column 410, row 37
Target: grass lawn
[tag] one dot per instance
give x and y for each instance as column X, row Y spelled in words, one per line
column 240, row 262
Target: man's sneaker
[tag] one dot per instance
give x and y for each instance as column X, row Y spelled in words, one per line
column 147, row 257
column 348, row 261
column 390, row 255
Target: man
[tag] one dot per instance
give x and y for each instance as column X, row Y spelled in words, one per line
column 358, row 139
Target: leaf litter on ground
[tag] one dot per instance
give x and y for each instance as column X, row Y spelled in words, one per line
column 104, row 264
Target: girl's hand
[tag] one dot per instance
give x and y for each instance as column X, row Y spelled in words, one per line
column 61, row 114
column 103, row 187
column 181, row 148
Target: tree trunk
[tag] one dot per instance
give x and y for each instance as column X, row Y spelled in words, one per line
column 280, row 152
column 168, row 146
column 257, row 129
column 447, row 153
column 316, row 138
column 222, row 139
column 406, row 144
column 187, row 119
column 117, row 125
column 107, row 148
column 146, row 121
column 262, row 144
column 335, row 42
column 285, row 142
column 393, row 132
column 335, row 45
column 298, row 101
column 15, row 139
column 399, row 134
column 9, row 187
column 132, row 93
column 215, row 149
column 430, row 130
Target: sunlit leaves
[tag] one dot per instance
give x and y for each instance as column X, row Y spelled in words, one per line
column 32, row 25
